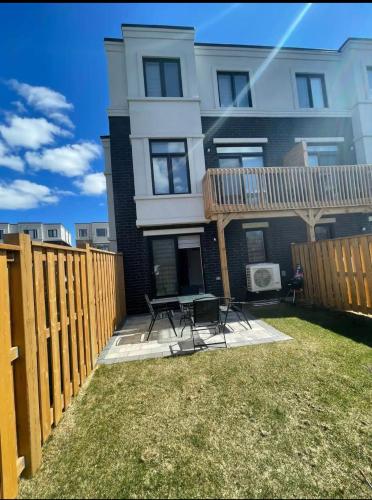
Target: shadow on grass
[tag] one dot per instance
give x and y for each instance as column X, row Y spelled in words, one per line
column 350, row 325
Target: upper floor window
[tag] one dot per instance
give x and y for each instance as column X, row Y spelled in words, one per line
column 234, row 90
column 256, row 246
column 322, row 155
column 101, row 232
column 83, row 233
column 369, row 75
column 31, row 232
column 311, row 91
column 1, row 234
column 240, row 156
column 52, row 233
column 162, row 77
column 170, row 169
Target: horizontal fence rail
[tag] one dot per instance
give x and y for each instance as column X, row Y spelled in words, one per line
column 337, row 273
column 281, row 188
column 58, row 307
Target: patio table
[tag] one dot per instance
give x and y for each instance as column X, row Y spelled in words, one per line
column 189, row 299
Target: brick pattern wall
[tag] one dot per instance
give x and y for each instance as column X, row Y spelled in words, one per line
column 280, row 234
column 280, row 132
column 129, row 238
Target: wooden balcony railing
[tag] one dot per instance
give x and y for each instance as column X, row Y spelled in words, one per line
column 229, row 190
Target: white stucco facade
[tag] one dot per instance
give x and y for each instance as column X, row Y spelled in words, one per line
column 273, row 90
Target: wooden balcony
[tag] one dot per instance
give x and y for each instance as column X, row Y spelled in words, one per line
column 277, row 190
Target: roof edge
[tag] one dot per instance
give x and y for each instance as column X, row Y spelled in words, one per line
column 159, row 26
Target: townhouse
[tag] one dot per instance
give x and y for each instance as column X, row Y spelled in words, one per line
column 220, row 156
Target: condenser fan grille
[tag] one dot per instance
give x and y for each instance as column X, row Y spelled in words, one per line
column 262, row 277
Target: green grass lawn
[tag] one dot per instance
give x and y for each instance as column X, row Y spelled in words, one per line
column 285, row 420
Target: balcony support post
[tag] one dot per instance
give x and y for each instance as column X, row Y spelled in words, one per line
column 221, row 224
column 311, row 217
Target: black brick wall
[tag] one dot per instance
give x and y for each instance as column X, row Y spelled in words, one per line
column 281, row 232
column 280, row 132
column 129, row 239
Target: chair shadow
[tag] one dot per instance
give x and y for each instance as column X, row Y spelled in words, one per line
column 353, row 326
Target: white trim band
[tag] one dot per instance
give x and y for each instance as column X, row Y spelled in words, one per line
column 246, row 140
column 319, row 139
column 183, row 230
column 255, row 225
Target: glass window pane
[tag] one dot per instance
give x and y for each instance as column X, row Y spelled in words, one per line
column 241, row 90
column 317, row 92
column 225, row 90
column 101, row 232
column 161, row 180
column 252, row 161
column 326, row 149
column 172, row 79
column 165, row 266
column 303, row 96
column 369, row 72
column 179, row 171
column 322, row 232
column 239, row 149
column 256, row 246
column 153, row 81
column 229, row 162
column 167, row 147
column 313, row 160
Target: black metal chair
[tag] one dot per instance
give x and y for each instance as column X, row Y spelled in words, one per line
column 229, row 304
column 206, row 316
column 157, row 311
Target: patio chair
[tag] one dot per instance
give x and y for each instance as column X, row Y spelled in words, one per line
column 206, row 316
column 228, row 304
column 157, row 311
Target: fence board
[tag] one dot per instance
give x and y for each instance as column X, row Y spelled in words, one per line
column 58, row 308
column 8, row 436
column 338, row 273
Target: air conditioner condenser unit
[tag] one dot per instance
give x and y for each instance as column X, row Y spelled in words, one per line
column 263, row 277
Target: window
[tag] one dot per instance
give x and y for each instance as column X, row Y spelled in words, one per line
column 101, row 232
column 170, row 169
column 52, row 233
column 83, row 233
column 162, row 77
column 234, row 89
column 311, row 91
column 321, row 155
column 256, row 246
column 31, row 232
column 240, row 156
column 369, row 75
column 1, row 234
column 323, row 232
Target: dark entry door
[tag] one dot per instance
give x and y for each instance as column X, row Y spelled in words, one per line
column 164, row 259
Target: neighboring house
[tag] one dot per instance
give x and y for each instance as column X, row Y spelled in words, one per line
column 94, row 233
column 48, row 233
column 193, row 130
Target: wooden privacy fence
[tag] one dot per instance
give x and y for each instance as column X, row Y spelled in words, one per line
column 58, row 307
column 338, row 272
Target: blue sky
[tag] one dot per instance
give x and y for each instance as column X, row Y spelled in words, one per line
column 54, row 92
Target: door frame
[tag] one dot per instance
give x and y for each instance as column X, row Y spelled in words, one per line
column 175, row 239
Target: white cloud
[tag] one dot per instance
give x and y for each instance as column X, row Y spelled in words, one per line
column 61, row 118
column 92, row 184
column 30, row 133
column 10, row 161
column 21, row 108
column 71, row 160
column 41, row 98
column 22, row 194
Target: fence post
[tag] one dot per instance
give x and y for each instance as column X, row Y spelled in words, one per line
column 120, row 290
column 91, row 303
column 25, row 368
column 8, row 433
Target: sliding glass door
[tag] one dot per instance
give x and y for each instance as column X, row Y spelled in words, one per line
column 165, row 266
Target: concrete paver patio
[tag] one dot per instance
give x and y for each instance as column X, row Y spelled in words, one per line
column 130, row 344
